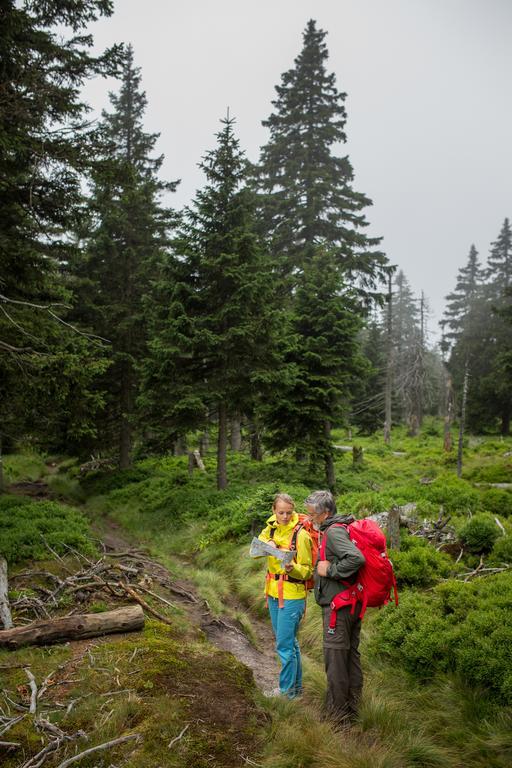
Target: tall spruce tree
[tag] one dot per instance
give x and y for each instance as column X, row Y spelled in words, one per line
column 322, row 364
column 47, row 148
column 461, row 302
column 307, row 194
column 214, row 321
column 494, row 383
column 127, row 232
column 468, row 338
column 310, row 213
column 499, row 262
column 367, row 410
column 408, row 355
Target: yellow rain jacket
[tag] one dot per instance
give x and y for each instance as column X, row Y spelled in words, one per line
column 302, row 565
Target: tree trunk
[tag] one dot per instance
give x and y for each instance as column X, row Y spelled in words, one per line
column 222, row 444
column 505, row 423
column 255, row 442
column 204, row 443
column 179, row 447
column 5, row 610
column 357, row 455
column 2, row 488
column 448, row 415
column 236, row 433
column 389, row 367
column 394, row 527
column 127, row 619
column 413, row 425
column 462, row 418
column 330, row 474
column 125, row 429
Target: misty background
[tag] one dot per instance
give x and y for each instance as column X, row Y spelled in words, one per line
column 429, row 113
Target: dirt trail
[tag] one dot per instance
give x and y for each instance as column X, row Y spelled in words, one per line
column 222, row 632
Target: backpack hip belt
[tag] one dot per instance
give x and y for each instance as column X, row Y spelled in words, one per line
column 280, row 578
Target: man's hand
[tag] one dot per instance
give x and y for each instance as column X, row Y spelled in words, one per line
column 288, row 567
column 322, row 567
column 271, row 543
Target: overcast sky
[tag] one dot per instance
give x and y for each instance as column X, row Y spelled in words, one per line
column 429, row 106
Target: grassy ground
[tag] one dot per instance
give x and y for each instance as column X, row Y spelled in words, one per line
column 406, row 720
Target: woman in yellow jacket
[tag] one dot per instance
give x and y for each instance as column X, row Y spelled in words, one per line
column 286, row 590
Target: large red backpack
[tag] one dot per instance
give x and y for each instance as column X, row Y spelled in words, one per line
column 375, row 579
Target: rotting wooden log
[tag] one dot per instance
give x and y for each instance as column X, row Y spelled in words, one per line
column 129, row 618
column 5, row 611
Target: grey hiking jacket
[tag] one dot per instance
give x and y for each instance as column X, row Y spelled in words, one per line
column 345, row 559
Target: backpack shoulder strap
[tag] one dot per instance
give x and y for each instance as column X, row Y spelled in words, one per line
column 295, row 533
column 323, row 545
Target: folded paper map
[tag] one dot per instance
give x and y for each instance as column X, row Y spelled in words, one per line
column 262, row 549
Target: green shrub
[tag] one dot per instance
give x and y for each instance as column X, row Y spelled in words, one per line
column 501, row 552
column 248, row 511
column 461, row 627
column 24, row 523
column 418, row 563
column 479, row 534
column 491, row 471
column 99, row 483
column 454, row 494
column 23, row 466
column 498, row 501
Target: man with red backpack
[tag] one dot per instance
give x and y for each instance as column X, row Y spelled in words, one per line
column 338, row 565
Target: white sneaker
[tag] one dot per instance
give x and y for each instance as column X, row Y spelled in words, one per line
column 273, row 693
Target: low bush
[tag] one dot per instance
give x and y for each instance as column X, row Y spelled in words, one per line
column 497, row 501
column 459, row 627
column 419, row 564
column 247, row 512
column 99, row 483
column 26, row 524
column 454, row 494
column 479, row 534
column 501, row 552
column 23, row 466
column 491, row 471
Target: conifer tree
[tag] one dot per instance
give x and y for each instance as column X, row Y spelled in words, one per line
column 307, row 193
column 499, row 262
column 494, row 380
column 214, row 323
column 467, row 337
column 367, row 411
column 408, row 353
column 46, row 149
column 322, row 364
column 127, row 232
column 460, row 303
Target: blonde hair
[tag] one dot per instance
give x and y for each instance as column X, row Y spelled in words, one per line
column 283, row 497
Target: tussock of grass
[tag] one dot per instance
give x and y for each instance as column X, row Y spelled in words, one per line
column 23, row 466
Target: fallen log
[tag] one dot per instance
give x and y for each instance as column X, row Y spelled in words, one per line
column 5, row 611
column 126, row 619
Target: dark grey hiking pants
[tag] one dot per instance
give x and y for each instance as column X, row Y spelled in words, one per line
column 342, row 664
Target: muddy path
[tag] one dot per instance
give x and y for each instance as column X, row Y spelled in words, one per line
column 222, row 631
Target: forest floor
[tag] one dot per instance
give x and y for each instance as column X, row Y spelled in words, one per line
column 190, row 690
column 222, row 631
column 119, row 685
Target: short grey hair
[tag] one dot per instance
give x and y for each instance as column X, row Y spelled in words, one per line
column 322, row 501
